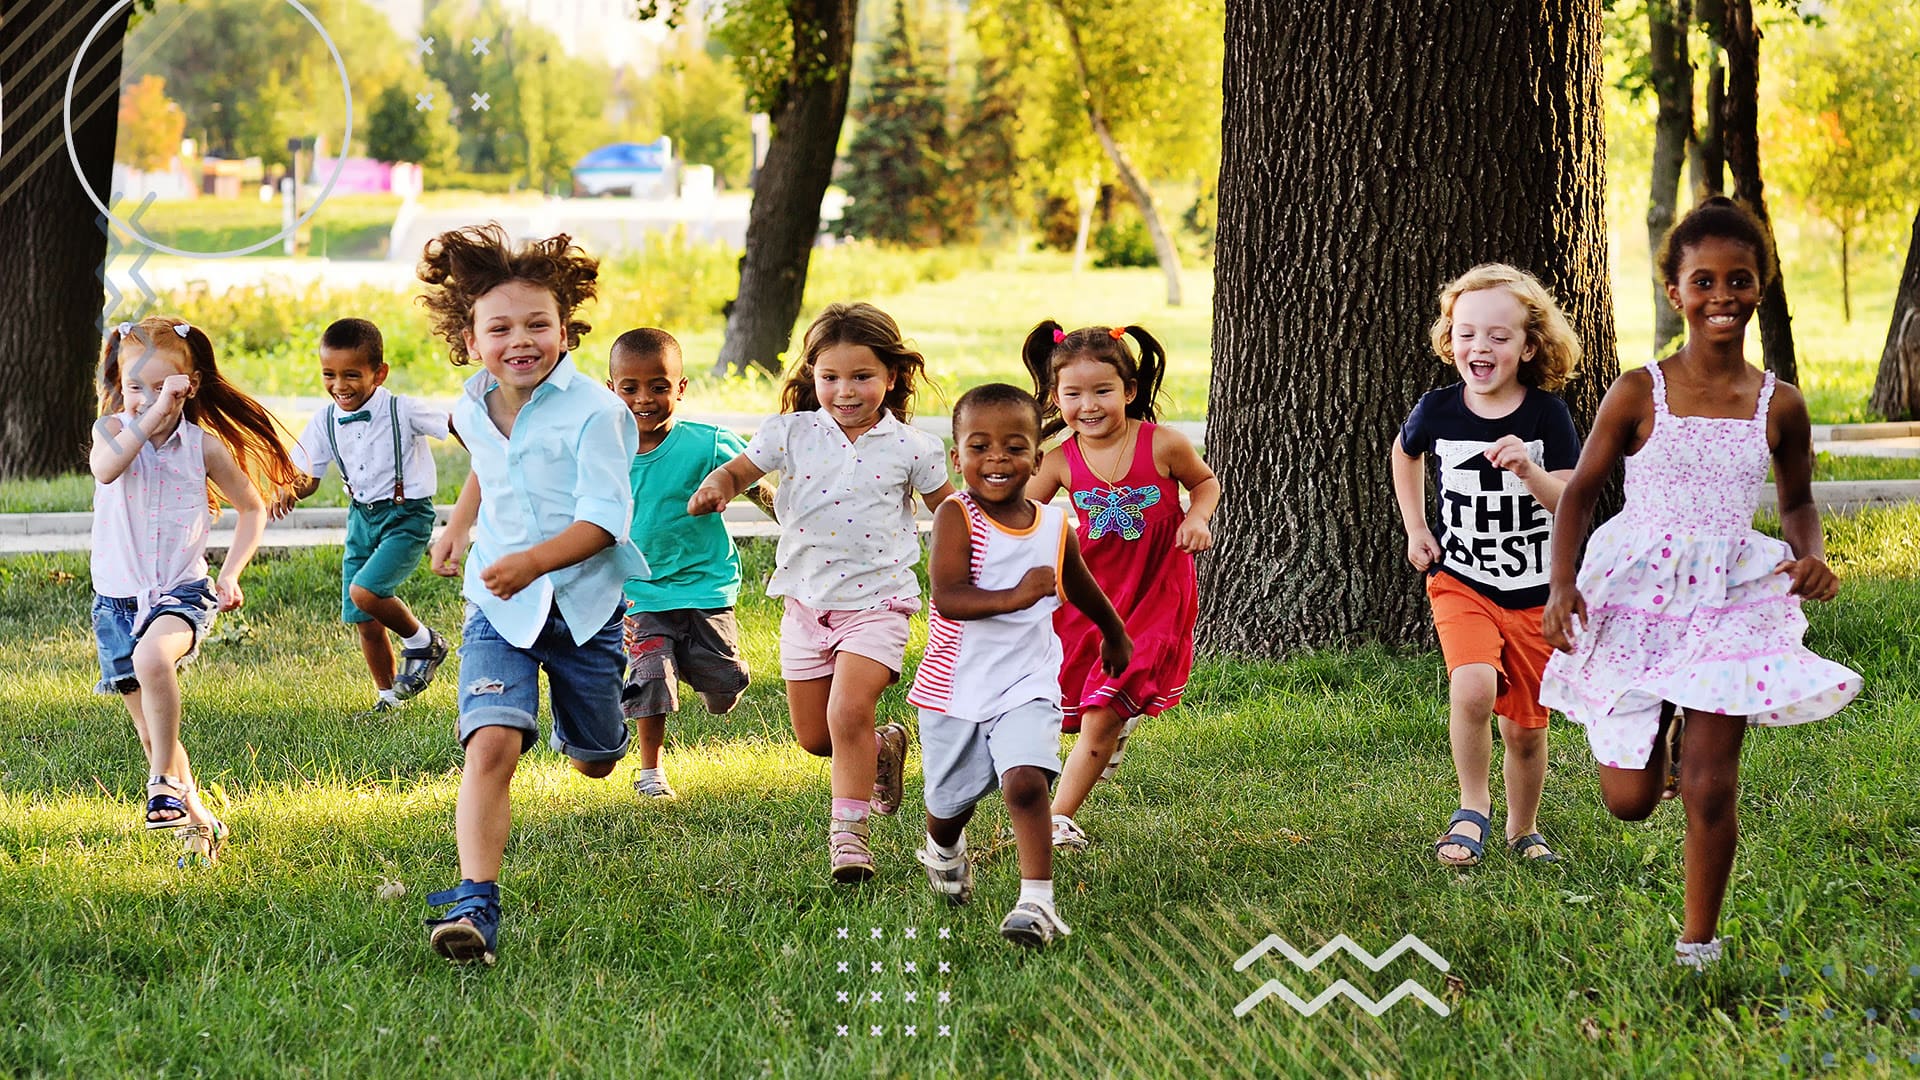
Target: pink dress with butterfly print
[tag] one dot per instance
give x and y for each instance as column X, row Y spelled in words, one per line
column 1683, row 604
column 1126, row 536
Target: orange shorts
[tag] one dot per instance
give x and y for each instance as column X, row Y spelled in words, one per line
column 1475, row 630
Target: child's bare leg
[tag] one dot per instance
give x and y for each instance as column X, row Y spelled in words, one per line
column 1631, row 794
column 855, row 692
column 650, row 734
column 1100, row 729
column 1025, row 789
column 167, row 639
column 1470, row 695
column 807, row 705
column 378, row 652
column 182, row 767
column 1525, row 770
column 1710, row 788
column 947, row 831
column 482, row 816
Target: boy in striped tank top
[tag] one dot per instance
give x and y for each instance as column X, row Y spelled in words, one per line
column 988, row 687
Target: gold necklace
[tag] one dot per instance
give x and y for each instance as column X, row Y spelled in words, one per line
column 1125, row 461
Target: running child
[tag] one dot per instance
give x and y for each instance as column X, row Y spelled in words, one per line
column 1503, row 447
column 548, row 491
column 989, row 687
column 1124, row 474
column 851, row 464
column 679, row 623
column 175, row 439
column 379, row 441
column 1683, row 623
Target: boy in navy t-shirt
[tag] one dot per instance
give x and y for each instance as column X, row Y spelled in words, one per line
column 1503, row 448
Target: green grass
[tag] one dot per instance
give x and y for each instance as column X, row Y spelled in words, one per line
column 699, row 937
column 345, row 226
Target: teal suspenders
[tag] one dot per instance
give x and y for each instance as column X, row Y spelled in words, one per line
column 399, row 462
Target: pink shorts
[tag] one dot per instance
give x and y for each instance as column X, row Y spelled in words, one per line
column 810, row 638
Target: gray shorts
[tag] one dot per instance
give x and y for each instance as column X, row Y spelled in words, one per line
column 963, row 760
column 697, row 646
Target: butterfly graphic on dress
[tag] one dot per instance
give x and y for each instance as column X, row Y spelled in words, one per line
column 1116, row 510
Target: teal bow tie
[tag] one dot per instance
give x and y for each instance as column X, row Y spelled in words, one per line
column 355, row 417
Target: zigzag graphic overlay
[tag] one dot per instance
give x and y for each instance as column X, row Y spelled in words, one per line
column 1274, row 942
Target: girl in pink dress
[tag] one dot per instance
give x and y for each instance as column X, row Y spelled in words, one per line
column 1124, row 474
column 1683, row 619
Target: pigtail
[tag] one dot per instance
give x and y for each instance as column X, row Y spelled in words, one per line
column 1149, row 371
column 249, row 432
column 112, row 399
column 1037, row 354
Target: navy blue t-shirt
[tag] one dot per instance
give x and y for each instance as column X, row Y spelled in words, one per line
column 1493, row 533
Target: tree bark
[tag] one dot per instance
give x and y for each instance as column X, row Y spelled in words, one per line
column 1709, row 162
column 50, row 339
column 1742, row 132
column 1163, row 250
column 784, row 220
column 1672, row 72
column 1896, row 390
column 1370, row 153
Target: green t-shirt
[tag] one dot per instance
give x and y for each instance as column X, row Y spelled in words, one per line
column 693, row 559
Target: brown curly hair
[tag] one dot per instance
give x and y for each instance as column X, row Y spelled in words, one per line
column 1556, row 348
column 856, row 324
column 462, row 265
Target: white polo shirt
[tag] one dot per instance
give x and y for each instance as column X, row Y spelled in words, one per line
column 366, row 446
column 847, row 535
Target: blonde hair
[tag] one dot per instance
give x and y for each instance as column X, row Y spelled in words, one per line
column 1556, row 348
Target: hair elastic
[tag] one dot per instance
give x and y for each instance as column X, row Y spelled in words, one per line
column 1117, row 333
column 1059, row 335
column 125, row 329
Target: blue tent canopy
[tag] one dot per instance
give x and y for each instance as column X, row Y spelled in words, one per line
column 635, row 157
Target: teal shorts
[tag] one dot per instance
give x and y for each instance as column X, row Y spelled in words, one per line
column 384, row 544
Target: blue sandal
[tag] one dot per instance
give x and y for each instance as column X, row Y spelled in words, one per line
column 1474, row 847
column 466, row 933
column 164, row 803
column 1525, row 847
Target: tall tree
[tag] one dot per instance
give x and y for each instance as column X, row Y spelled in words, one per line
column 897, row 173
column 1708, row 162
column 1896, row 390
column 1369, row 153
column 50, row 341
column 1670, row 71
column 150, row 124
column 1741, row 128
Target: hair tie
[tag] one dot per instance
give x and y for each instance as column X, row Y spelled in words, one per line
column 123, row 329
column 1117, row 333
column 181, row 329
column 1059, row 335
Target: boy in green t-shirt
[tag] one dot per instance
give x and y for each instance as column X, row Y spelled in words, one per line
column 679, row 624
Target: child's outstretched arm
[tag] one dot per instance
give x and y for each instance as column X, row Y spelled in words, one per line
column 723, row 484
column 1185, row 465
column 937, row 497
column 1049, row 477
column 1625, row 413
column 1793, row 482
column 449, row 549
column 115, row 446
column 1410, row 492
column 950, row 573
column 602, row 508
column 1510, row 453
column 1116, row 648
column 251, row 509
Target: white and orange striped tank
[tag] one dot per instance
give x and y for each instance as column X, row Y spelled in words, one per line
column 977, row 669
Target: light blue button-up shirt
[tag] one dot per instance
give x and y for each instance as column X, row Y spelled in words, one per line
column 565, row 462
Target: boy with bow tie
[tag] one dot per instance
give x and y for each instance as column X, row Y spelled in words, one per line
column 379, row 440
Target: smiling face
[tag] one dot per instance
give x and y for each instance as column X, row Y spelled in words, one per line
column 144, row 368
column 349, row 378
column 649, row 385
column 1717, row 290
column 1489, row 339
column 996, row 448
column 517, row 335
column 851, row 384
column 1093, row 398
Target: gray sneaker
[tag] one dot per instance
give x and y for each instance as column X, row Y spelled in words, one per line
column 654, row 787
column 417, row 666
column 950, row 877
column 1033, row 925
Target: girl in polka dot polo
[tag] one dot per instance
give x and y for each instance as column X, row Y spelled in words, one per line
column 1684, row 621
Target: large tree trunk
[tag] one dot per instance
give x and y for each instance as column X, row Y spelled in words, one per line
column 1672, row 74
column 1371, row 152
column 1163, row 250
column 50, row 339
column 1709, row 163
column 1896, row 390
column 1742, row 131
column 784, row 220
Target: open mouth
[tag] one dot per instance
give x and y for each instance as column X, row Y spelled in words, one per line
column 1480, row 369
column 1722, row 320
column 996, row 478
column 521, row 363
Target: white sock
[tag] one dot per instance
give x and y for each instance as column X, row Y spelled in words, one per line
column 1039, row 890
column 651, row 774
column 390, row 696
column 420, row 638
column 958, row 849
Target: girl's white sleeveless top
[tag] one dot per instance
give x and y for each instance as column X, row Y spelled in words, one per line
column 978, row 669
column 150, row 525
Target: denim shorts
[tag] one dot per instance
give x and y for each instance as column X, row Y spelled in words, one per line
column 115, row 631
column 500, row 686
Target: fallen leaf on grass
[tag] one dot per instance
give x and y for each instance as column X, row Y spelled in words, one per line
column 59, row 577
column 1571, row 898
column 1290, row 836
column 390, row 889
column 1589, row 1028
